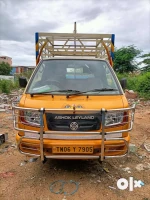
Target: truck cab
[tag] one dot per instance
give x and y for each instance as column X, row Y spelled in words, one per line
column 73, row 107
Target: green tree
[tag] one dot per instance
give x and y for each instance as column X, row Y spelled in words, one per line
column 5, row 68
column 146, row 62
column 124, row 60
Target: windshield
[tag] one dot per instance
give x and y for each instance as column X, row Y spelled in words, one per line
column 63, row 76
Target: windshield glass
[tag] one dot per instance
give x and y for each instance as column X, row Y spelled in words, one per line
column 58, row 76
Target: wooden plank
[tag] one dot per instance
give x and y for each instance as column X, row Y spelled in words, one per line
column 59, row 45
column 81, row 42
column 73, row 35
column 72, row 53
column 71, row 40
column 64, row 43
column 78, row 48
column 49, row 41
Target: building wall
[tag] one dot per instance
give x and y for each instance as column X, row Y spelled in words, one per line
column 2, row 77
column 21, row 69
column 6, row 59
column 13, row 71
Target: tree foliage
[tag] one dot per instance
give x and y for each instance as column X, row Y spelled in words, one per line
column 146, row 62
column 5, row 68
column 124, row 60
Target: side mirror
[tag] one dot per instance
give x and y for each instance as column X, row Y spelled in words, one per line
column 123, row 83
column 22, row 82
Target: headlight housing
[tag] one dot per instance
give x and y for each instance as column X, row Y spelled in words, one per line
column 31, row 118
column 114, row 118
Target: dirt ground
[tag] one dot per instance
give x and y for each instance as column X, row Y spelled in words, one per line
column 21, row 179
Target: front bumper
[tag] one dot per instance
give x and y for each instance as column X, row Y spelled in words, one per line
column 114, row 147
column 105, row 144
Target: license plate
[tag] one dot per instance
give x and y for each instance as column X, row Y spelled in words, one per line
column 73, row 149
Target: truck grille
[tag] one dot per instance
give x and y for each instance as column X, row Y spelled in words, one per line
column 73, row 122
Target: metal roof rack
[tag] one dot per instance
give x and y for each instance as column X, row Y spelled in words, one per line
column 74, row 44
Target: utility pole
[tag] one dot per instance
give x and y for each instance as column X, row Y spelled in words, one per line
column 75, row 31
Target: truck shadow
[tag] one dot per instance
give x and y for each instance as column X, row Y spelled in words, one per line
column 86, row 166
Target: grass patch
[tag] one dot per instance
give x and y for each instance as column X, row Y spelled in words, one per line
column 139, row 83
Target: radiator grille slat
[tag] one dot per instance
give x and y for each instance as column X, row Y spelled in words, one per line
column 85, row 122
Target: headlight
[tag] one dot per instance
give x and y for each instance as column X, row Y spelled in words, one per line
column 114, row 118
column 30, row 118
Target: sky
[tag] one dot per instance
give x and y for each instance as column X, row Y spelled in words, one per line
column 129, row 20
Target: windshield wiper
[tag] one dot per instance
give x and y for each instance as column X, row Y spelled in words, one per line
column 94, row 90
column 75, row 92
column 50, row 92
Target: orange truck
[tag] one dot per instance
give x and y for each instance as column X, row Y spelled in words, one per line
column 73, row 106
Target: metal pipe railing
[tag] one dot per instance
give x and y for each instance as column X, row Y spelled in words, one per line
column 101, row 134
column 41, row 133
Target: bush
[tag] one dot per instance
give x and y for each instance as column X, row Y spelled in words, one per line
column 139, row 83
column 131, row 83
column 131, row 80
column 143, row 85
column 7, row 85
